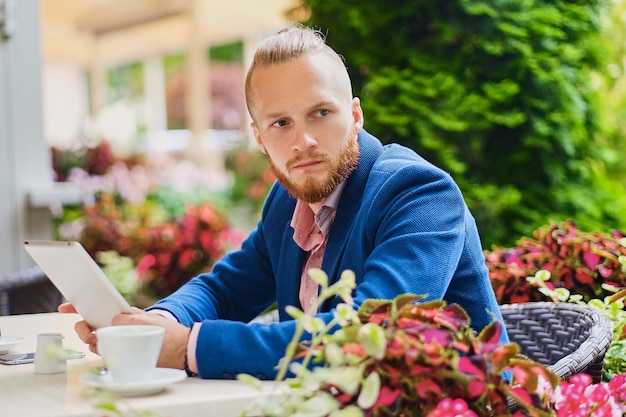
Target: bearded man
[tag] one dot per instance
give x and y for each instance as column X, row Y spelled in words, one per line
column 342, row 201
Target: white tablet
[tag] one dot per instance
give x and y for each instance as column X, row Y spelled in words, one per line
column 79, row 278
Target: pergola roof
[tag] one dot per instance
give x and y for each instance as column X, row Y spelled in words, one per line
column 106, row 32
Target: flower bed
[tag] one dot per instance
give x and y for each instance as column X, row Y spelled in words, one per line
column 408, row 358
column 576, row 260
column 561, row 263
column 151, row 227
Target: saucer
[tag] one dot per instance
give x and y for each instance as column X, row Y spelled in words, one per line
column 9, row 342
column 162, row 377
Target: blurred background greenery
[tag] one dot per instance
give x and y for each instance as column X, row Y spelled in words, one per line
column 523, row 102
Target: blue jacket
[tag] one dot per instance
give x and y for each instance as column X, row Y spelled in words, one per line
column 401, row 225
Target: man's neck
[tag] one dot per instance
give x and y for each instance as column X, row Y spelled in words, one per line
column 331, row 200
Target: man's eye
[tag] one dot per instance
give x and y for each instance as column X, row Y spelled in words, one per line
column 324, row 112
column 280, row 123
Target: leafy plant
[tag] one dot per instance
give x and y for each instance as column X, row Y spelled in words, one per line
column 252, row 176
column 94, row 160
column 403, row 357
column 577, row 261
column 165, row 252
column 174, row 252
column 501, row 94
column 152, row 228
column 562, row 263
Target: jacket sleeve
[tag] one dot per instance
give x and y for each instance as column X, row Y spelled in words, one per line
column 239, row 287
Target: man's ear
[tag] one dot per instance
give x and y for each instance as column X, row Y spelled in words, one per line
column 357, row 115
column 257, row 137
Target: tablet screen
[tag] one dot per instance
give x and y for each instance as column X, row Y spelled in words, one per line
column 79, row 278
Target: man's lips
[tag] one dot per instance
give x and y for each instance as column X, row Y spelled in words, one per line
column 306, row 164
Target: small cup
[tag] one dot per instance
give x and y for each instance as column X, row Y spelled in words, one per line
column 130, row 353
column 50, row 357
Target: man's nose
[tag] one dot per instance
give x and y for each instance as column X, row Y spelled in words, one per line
column 303, row 140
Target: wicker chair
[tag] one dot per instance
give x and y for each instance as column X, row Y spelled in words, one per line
column 28, row 291
column 568, row 338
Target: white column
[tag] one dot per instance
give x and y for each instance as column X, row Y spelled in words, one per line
column 154, row 87
column 25, row 162
column 198, row 88
column 97, row 85
column 201, row 149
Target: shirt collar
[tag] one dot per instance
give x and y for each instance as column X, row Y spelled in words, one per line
column 304, row 221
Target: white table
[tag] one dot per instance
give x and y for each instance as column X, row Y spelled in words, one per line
column 26, row 394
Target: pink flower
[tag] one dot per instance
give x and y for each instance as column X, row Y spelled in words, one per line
column 581, row 398
column 452, row 408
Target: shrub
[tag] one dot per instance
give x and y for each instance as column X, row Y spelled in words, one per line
column 404, row 357
column 578, row 261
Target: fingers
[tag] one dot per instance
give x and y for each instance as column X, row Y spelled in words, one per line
column 66, row 308
column 176, row 335
column 137, row 316
column 86, row 334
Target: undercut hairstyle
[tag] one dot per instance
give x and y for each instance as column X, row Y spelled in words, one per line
column 286, row 45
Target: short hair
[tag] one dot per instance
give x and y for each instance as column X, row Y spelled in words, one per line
column 286, row 45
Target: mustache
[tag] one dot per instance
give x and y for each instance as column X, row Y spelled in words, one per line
column 312, row 156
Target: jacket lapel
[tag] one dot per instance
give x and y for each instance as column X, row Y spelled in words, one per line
column 349, row 205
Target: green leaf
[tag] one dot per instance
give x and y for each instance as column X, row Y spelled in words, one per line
column 350, row 411
column 373, row 339
column 317, row 406
column 318, row 276
column 369, row 391
column 294, row 312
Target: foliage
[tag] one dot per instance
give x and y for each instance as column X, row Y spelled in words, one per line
column 615, row 358
column 404, row 357
column 613, row 92
column 95, row 161
column 561, row 263
column 252, row 176
column 175, row 252
column 500, row 94
column 121, row 272
column 165, row 253
column 577, row 261
column 151, row 228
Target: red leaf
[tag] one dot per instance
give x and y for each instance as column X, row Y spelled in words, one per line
column 467, row 366
column 426, row 386
column 501, row 355
column 476, row 388
column 442, row 337
column 584, row 277
column 354, row 349
column 519, row 298
column 387, row 396
column 591, row 259
column 490, row 335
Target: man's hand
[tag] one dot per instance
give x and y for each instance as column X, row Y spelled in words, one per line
column 174, row 345
column 84, row 331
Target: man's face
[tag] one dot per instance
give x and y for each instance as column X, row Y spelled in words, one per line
column 306, row 122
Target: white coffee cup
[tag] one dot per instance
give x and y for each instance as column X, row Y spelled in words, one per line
column 130, row 353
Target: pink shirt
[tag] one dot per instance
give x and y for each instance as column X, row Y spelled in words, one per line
column 310, row 234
